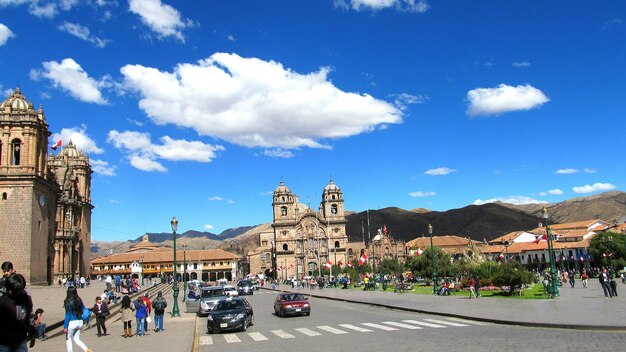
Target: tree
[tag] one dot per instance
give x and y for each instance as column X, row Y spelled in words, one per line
column 513, row 275
column 608, row 249
column 390, row 266
column 422, row 266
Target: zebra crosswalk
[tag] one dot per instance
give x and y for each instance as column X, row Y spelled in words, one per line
column 341, row 329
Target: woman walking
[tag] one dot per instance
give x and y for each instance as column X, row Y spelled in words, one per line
column 140, row 313
column 127, row 316
column 75, row 314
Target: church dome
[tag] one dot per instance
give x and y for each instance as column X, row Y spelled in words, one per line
column 331, row 186
column 282, row 189
column 70, row 151
column 16, row 102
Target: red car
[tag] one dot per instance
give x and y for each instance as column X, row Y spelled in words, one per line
column 291, row 304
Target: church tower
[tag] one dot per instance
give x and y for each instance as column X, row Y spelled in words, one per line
column 72, row 239
column 332, row 202
column 28, row 193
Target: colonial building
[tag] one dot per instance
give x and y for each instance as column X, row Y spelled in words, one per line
column 150, row 260
column 455, row 246
column 383, row 246
column 302, row 241
column 45, row 205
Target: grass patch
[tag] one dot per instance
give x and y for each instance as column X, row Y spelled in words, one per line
column 534, row 292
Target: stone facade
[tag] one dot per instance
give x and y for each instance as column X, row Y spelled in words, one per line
column 30, row 192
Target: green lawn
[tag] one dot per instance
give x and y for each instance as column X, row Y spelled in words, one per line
column 535, row 292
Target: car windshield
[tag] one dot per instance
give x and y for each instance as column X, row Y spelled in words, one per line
column 228, row 305
column 212, row 293
column 293, row 297
column 245, row 283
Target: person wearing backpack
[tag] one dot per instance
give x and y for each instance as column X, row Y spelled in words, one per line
column 15, row 309
column 159, row 306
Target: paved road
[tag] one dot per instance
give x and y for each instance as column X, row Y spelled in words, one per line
column 335, row 325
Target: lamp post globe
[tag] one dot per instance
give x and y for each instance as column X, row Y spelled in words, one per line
column 175, row 311
column 432, row 255
column 554, row 285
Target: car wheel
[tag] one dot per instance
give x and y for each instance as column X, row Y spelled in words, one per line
column 307, row 313
column 245, row 325
column 210, row 331
column 281, row 313
column 252, row 320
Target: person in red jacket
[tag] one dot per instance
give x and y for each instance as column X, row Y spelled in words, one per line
column 148, row 304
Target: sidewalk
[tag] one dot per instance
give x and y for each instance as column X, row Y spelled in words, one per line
column 576, row 308
column 178, row 333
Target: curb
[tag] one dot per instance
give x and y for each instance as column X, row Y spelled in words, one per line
column 466, row 317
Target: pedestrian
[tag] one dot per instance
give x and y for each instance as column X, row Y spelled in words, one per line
column 15, row 309
column 572, row 278
column 140, row 315
column 472, row 287
column 605, row 283
column 159, row 306
column 101, row 310
column 146, row 302
column 39, row 324
column 118, row 283
column 477, row 287
column 7, row 270
column 75, row 314
column 584, row 277
column 613, row 285
column 82, row 282
column 127, row 316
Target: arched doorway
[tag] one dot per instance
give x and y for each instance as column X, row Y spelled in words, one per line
column 312, row 269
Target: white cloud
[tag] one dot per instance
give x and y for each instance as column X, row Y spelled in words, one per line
column 590, row 171
column 594, row 188
column 521, row 64
column 420, row 194
column 231, row 38
column 268, row 193
column 83, row 33
column 404, row 99
column 161, row 18
column 102, row 167
column 208, row 227
column 566, row 171
column 439, row 171
column 278, row 153
column 555, row 191
column 143, row 154
column 504, row 98
column 216, row 198
column 5, row 34
column 79, row 137
column 256, row 103
column 69, row 76
column 48, row 10
column 517, row 200
column 416, row 6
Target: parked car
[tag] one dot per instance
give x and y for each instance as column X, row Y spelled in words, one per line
column 233, row 313
column 206, row 300
column 291, row 304
column 231, row 291
column 245, row 287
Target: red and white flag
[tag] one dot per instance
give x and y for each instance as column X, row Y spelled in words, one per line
column 419, row 251
column 538, row 239
column 57, row 144
column 328, row 265
column 363, row 259
column 349, row 265
column 501, row 256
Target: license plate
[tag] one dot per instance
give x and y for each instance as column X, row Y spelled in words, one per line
column 298, row 309
column 223, row 325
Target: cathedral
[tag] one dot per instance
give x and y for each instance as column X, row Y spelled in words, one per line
column 45, row 200
column 304, row 242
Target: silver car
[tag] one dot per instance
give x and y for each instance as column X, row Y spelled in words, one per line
column 206, row 300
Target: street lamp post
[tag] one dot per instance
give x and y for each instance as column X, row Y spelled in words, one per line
column 184, row 270
column 554, row 285
column 432, row 254
column 175, row 312
column 506, row 245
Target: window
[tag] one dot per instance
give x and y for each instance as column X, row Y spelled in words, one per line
column 285, row 247
column 283, row 211
column 333, row 197
column 195, row 265
column 333, row 208
column 4, row 195
column 336, row 244
column 350, row 252
column 15, row 152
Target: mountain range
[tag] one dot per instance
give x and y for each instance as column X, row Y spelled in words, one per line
column 479, row 222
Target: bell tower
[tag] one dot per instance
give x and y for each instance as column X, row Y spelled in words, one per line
column 332, row 202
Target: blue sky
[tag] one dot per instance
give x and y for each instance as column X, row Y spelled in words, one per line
column 198, row 109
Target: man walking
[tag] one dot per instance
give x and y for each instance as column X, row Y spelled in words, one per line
column 159, row 306
column 605, row 283
column 101, row 310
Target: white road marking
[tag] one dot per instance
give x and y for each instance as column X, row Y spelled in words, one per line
column 257, row 336
column 378, row 326
column 331, row 329
column 308, row 332
column 282, row 334
column 444, row 322
column 470, row 322
column 401, row 325
column 354, row 327
column 430, row 325
column 206, row 340
column 231, row 338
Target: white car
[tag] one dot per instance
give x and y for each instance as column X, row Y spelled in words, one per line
column 231, row 291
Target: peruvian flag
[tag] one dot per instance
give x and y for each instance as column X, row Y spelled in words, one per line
column 543, row 237
column 363, row 259
column 58, row 144
column 349, row 265
column 328, row 265
column 385, row 229
column 419, row 251
column 501, row 256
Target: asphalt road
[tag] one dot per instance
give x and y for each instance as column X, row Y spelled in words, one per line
column 335, row 325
